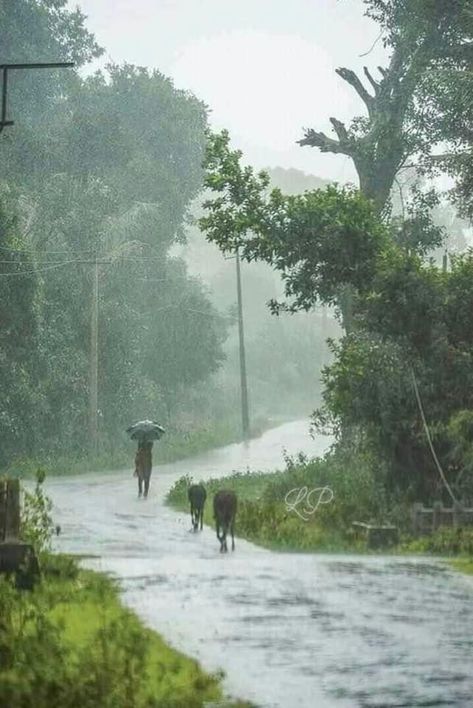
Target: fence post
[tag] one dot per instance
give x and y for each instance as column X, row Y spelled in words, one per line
column 3, row 508
column 9, row 509
column 457, row 515
column 16, row 557
column 436, row 515
column 415, row 517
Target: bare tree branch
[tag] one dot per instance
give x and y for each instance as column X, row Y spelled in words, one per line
column 351, row 78
column 340, row 129
column 323, row 142
column 373, row 83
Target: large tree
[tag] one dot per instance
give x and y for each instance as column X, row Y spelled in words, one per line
column 425, row 38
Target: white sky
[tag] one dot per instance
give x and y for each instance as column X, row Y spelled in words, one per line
column 264, row 67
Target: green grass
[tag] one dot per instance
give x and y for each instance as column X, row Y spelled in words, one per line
column 464, row 565
column 71, row 643
column 264, row 518
column 454, row 544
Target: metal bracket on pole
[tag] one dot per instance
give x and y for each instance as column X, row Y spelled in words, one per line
column 5, row 68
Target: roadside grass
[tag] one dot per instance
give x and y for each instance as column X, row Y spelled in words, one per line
column 264, row 518
column 71, row 643
column 464, row 565
column 455, row 545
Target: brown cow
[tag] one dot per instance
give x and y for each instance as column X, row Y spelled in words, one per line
column 225, row 507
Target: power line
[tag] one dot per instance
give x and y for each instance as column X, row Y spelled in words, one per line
column 48, row 265
column 138, row 259
column 35, row 252
column 38, row 270
column 429, row 440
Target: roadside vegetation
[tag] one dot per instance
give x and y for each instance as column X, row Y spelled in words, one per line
column 70, row 642
column 323, row 523
column 264, row 518
column 397, row 394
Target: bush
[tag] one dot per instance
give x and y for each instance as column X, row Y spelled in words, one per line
column 263, row 516
column 36, row 521
column 445, row 542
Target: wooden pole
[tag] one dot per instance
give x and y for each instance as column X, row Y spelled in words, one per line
column 13, row 510
column 245, row 417
column 94, row 362
column 445, row 262
column 9, row 509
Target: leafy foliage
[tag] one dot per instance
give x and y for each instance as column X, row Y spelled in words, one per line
column 93, row 174
column 71, row 643
column 264, row 517
column 409, row 318
column 36, row 519
column 319, row 241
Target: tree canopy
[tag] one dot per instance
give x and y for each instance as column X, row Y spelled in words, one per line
column 101, row 168
column 429, row 41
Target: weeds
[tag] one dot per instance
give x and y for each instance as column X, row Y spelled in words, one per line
column 263, row 516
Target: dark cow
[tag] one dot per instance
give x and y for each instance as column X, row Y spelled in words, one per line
column 225, row 507
column 197, row 496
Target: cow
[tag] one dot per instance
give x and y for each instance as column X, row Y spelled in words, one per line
column 225, row 507
column 197, row 496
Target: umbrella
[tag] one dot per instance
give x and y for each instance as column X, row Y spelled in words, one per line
column 145, row 431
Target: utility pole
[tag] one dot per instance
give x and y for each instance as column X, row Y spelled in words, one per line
column 94, row 361
column 445, row 262
column 5, row 68
column 245, row 418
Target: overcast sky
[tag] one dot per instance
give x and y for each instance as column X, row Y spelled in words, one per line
column 264, row 67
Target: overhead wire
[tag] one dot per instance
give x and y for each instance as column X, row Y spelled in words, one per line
column 429, row 439
column 36, row 270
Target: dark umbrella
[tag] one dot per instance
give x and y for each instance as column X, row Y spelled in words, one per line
column 145, row 431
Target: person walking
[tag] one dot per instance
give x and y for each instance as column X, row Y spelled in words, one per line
column 143, row 467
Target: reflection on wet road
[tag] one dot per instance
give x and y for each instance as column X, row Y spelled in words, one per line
column 290, row 630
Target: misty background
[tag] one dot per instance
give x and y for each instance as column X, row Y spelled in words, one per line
column 102, row 182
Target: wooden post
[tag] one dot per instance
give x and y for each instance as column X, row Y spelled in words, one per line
column 9, row 509
column 13, row 510
column 436, row 515
column 3, row 508
column 94, row 362
column 16, row 558
column 456, row 515
column 245, row 416
column 415, row 517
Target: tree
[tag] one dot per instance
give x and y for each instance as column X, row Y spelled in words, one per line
column 104, row 167
column 18, row 336
column 321, row 241
column 39, row 31
column 425, row 38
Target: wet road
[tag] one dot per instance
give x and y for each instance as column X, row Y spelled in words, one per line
column 289, row 630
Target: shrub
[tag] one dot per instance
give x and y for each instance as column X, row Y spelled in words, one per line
column 36, row 521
